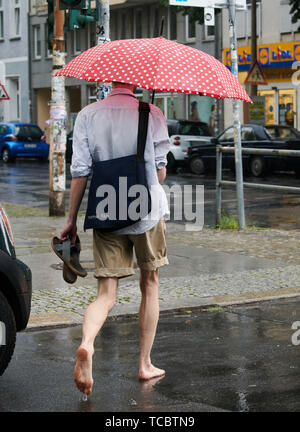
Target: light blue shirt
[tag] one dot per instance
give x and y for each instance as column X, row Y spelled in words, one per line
column 107, row 130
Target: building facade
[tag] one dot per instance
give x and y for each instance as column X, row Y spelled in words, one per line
column 14, row 60
column 278, row 50
column 128, row 19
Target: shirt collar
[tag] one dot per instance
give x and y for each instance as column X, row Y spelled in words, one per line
column 121, row 91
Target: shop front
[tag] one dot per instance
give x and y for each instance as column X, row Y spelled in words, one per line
column 280, row 95
column 188, row 107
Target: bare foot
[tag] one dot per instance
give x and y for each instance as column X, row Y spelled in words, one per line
column 83, row 371
column 147, row 373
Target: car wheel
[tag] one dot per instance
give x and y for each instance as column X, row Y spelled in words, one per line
column 171, row 167
column 197, row 165
column 7, row 333
column 257, row 166
column 6, row 157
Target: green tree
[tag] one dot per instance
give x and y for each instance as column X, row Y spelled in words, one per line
column 196, row 13
column 295, row 11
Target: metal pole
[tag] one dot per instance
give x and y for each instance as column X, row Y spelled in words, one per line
column 253, row 41
column 58, row 114
column 236, row 115
column 103, row 89
column 218, row 55
column 219, row 186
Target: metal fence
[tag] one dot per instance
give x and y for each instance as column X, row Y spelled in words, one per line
column 266, row 152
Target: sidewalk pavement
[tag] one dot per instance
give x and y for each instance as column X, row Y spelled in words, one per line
column 236, row 358
column 207, row 268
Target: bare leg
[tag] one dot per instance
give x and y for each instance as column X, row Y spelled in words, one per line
column 148, row 319
column 94, row 319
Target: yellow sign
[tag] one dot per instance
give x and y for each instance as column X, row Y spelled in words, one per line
column 277, row 55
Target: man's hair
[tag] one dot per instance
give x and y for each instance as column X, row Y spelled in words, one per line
column 116, row 84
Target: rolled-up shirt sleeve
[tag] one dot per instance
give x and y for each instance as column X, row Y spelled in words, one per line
column 81, row 159
column 160, row 137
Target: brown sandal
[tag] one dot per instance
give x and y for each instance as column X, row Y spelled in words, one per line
column 69, row 254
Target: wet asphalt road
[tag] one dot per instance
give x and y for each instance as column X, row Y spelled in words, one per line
column 26, row 182
column 235, row 359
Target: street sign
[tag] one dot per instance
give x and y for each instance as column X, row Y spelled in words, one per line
column 209, row 16
column 257, row 110
column 256, row 75
column 3, row 93
column 219, row 4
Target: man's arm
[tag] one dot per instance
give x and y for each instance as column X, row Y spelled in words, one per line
column 162, row 174
column 78, row 186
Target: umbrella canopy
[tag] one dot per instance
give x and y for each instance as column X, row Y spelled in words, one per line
column 156, row 64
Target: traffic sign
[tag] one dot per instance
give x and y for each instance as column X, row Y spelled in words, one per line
column 256, row 75
column 209, row 16
column 218, row 4
column 3, row 93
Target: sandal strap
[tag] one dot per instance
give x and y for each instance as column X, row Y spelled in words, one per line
column 65, row 249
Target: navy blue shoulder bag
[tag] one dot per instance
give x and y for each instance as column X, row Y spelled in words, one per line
column 108, row 202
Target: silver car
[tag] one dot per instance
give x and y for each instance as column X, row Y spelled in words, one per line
column 181, row 133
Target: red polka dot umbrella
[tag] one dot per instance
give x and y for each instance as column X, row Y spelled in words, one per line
column 156, row 64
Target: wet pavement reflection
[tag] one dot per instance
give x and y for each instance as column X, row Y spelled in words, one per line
column 238, row 359
column 26, row 182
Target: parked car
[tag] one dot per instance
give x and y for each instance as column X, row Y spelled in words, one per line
column 22, row 140
column 15, row 293
column 202, row 157
column 181, row 133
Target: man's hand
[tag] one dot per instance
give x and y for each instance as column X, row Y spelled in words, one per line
column 78, row 186
column 69, row 232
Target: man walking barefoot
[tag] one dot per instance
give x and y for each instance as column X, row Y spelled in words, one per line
column 106, row 130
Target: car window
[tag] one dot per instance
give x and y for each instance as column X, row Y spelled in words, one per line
column 271, row 131
column 193, row 128
column 227, row 136
column 286, row 133
column 172, row 129
column 248, row 134
column 3, row 129
column 26, row 132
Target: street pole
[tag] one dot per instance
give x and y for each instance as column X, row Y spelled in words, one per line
column 218, row 55
column 58, row 114
column 253, row 42
column 236, row 116
column 103, row 89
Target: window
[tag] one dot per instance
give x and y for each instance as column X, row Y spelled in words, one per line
column 37, row 42
column 79, row 41
column 1, row 20
column 3, row 129
column 123, row 26
column 92, row 94
column 227, row 136
column 287, row 133
column 91, row 35
column 190, row 29
column 209, row 32
column 248, row 134
column 15, row 19
column 172, row 23
column 138, row 23
column 156, row 23
column 47, row 50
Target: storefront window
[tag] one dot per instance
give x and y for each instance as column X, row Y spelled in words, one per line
column 201, row 108
column 168, row 103
column 282, row 114
column 286, row 107
column 270, row 106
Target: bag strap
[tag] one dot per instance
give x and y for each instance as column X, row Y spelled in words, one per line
column 144, row 110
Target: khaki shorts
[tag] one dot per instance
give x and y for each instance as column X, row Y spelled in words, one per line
column 113, row 253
